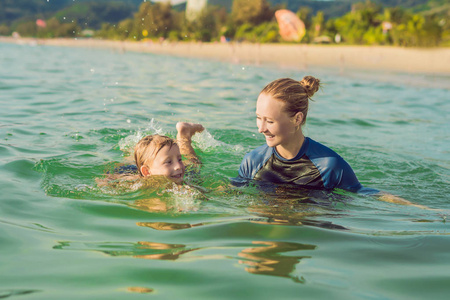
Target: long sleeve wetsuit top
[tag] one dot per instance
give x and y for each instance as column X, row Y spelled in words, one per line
column 315, row 166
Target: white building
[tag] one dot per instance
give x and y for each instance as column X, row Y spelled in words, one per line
column 194, row 7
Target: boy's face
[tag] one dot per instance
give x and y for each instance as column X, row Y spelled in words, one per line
column 168, row 163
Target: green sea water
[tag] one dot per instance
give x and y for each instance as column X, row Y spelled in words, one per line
column 70, row 115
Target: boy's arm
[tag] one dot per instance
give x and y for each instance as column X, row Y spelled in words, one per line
column 185, row 131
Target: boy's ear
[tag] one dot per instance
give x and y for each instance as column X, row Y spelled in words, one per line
column 145, row 171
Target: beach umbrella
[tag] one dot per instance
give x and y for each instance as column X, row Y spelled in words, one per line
column 291, row 27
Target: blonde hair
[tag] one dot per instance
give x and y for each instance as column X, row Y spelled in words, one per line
column 295, row 94
column 148, row 147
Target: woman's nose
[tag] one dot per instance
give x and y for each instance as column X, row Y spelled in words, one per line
column 261, row 127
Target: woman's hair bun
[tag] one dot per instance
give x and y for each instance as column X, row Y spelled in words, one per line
column 310, row 84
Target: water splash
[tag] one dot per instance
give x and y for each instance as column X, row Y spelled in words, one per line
column 206, row 142
column 128, row 143
column 185, row 198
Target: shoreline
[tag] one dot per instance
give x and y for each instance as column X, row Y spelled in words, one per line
column 435, row 61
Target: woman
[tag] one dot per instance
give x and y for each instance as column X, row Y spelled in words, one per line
column 289, row 156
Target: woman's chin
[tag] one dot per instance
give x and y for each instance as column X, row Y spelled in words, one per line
column 270, row 142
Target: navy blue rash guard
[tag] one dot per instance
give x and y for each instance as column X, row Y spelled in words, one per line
column 315, row 166
column 129, row 169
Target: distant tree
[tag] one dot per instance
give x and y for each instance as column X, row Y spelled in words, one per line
column 27, row 29
column 5, row 30
column 355, row 25
column 395, row 15
column 53, row 29
column 264, row 33
column 207, row 25
column 417, row 31
column 318, row 23
column 93, row 14
column 124, row 29
column 304, row 13
column 330, row 29
column 251, row 11
column 367, row 23
column 107, row 31
column 156, row 19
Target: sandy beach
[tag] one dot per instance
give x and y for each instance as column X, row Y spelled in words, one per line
column 299, row 56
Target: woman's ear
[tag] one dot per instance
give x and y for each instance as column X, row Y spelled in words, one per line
column 145, row 171
column 298, row 119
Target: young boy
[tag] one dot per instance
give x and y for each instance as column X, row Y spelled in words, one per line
column 158, row 156
column 161, row 155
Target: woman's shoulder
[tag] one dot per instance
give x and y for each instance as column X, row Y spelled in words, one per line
column 259, row 153
column 324, row 157
column 254, row 160
column 316, row 149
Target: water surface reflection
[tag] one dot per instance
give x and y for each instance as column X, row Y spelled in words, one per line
column 261, row 257
column 266, row 258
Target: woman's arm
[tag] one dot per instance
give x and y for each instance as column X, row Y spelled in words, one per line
column 386, row 197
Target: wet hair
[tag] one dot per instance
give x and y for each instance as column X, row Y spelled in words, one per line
column 295, row 94
column 148, row 147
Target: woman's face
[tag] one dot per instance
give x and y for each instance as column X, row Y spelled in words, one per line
column 274, row 122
